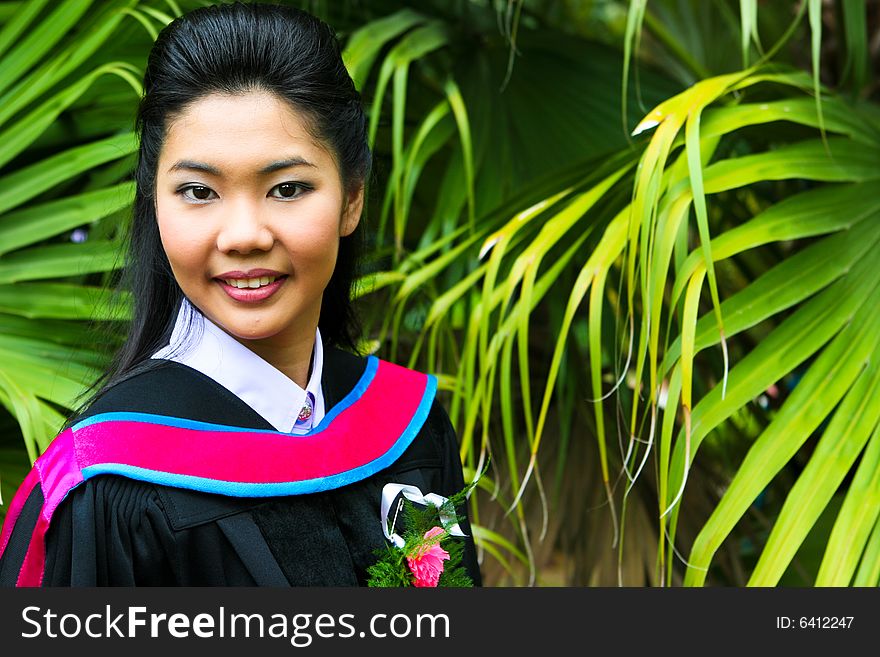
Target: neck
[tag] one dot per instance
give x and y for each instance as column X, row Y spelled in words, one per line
column 292, row 357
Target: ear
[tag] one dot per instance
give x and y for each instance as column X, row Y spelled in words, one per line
column 351, row 212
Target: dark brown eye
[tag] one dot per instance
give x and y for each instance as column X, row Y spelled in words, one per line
column 197, row 193
column 287, row 190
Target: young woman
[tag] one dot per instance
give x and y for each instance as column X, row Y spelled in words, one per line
column 233, row 442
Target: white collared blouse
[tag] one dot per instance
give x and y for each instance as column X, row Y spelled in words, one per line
column 199, row 343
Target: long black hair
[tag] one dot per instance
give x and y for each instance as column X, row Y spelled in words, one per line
column 232, row 49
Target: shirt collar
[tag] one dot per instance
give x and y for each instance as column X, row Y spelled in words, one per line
column 199, row 343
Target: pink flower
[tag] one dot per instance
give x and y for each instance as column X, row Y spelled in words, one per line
column 426, row 562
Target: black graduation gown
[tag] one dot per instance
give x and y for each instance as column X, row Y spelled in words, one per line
column 115, row 531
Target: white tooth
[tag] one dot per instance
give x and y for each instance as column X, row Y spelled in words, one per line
column 250, row 283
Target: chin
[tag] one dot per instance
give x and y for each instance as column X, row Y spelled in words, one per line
column 254, row 334
column 247, row 331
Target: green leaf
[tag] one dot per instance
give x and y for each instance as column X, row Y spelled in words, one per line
column 838, row 116
column 749, row 18
column 850, row 535
column 50, row 74
column 59, row 260
column 30, row 181
column 28, row 414
column 39, row 222
column 60, row 383
column 850, row 428
column 815, row 396
column 814, row 9
column 790, row 282
column 21, row 18
column 18, row 136
column 808, row 214
column 857, row 56
column 365, row 44
column 635, row 15
column 40, row 40
column 60, row 301
column 869, row 568
column 412, row 46
column 459, row 110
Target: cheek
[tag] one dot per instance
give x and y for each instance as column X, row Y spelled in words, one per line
column 186, row 259
column 314, row 251
column 184, row 247
column 312, row 237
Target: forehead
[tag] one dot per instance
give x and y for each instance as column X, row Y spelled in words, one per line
column 242, row 131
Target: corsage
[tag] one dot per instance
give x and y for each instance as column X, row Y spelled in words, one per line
column 424, row 552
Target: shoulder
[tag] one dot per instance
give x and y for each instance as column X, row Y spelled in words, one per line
column 139, row 504
column 150, row 385
column 61, row 542
column 435, row 444
column 438, row 425
column 164, row 387
column 346, row 373
column 117, row 499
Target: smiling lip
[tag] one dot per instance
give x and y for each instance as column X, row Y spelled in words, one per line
column 250, row 273
column 251, row 295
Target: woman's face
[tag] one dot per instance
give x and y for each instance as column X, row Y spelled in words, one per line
column 250, row 210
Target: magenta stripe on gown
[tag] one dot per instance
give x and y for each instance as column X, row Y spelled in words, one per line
column 358, row 435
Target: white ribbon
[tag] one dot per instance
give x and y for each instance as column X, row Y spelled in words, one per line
column 413, row 494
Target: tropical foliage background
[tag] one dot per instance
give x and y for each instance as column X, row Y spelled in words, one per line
column 636, row 240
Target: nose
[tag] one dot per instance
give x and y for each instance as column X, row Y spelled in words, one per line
column 243, row 230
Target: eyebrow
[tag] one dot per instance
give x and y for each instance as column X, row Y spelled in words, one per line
column 272, row 167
